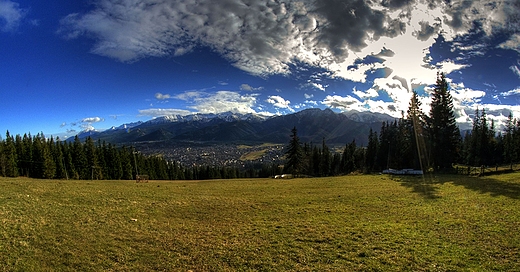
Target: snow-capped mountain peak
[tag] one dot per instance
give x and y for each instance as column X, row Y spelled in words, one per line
column 206, row 117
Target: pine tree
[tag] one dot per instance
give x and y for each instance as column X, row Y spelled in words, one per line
column 307, row 159
column 371, row 152
column 3, row 161
column 26, row 155
column 388, row 155
column 68, row 163
column 92, row 167
column 83, row 170
column 336, row 164
column 114, row 163
column 443, row 130
column 325, row 160
column 348, row 161
column 404, row 144
column 127, row 163
column 9, row 158
column 316, row 161
column 20, row 151
column 49, row 164
column 59, row 161
column 416, row 129
column 294, row 154
column 508, row 140
column 384, row 145
column 43, row 162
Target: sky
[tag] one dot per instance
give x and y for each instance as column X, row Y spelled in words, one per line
column 67, row 66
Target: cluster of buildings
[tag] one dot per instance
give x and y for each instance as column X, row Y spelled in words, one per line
column 217, row 154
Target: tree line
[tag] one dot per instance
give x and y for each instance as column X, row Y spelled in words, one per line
column 430, row 142
column 47, row 158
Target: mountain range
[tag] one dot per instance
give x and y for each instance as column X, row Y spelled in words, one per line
column 313, row 125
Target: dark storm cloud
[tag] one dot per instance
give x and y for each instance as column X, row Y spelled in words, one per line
column 426, row 31
column 348, row 24
column 396, row 3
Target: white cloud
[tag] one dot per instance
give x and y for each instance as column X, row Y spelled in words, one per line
column 357, row 73
column 164, row 112
column 92, row 120
column 515, row 70
column 160, row 96
column 247, row 87
column 385, row 107
column 343, row 103
column 190, row 95
column 264, row 37
column 318, row 86
column 87, row 123
column 220, row 101
column 466, row 95
column 370, row 93
column 511, row 92
column 448, row 66
column 513, row 43
column 279, row 102
column 11, row 15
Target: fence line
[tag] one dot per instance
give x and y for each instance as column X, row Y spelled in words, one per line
column 486, row 170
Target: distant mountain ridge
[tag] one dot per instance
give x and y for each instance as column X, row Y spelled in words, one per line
column 206, row 117
column 313, row 125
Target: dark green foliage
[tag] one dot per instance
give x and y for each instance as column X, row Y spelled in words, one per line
column 508, row 141
column 416, row 127
column 322, row 162
column 8, row 157
column 443, row 131
column 483, row 146
column 348, row 160
column 294, row 154
column 325, row 160
column 371, row 152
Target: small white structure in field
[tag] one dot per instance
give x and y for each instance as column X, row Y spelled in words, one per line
column 284, row 176
column 403, row 172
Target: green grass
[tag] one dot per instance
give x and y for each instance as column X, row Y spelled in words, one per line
column 254, row 155
column 351, row 223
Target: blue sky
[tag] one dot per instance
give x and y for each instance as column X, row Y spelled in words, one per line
column 67, row 66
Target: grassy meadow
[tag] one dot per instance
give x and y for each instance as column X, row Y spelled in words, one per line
column 350, row 223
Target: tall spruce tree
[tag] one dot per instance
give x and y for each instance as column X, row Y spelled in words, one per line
column 348, row 161
column 509, row 155
column 371, row 152
column 325, row 159
column 443, row 131
column 416, row 128
column 9, row 158
column 294, row 154
column 83, row 170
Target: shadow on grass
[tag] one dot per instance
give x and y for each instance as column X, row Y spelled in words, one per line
column 424, row 186
column 488, row 185
column 429, row 187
